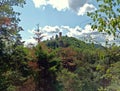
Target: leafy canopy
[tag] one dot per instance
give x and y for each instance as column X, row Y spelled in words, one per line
column 107, row 17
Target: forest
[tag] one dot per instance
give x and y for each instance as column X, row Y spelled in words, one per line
column 60, row 64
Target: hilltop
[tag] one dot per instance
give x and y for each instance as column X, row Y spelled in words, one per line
column 65, row 41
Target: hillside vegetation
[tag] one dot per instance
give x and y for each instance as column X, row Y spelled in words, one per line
column 65, row 41
column 68, row 64
column 60, row 64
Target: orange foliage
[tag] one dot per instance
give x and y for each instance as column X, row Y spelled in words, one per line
column 5, row 20
column 68, row 56
column 29, row 85
column 31, row 55
column 33, row 65
column 67, row 53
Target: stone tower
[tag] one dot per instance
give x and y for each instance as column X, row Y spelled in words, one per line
column 60, row 34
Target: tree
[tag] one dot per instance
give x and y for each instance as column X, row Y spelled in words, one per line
column 48, row 65
column 12, row 53
column 68, row 81
column 107, row 17
column 38, row 35
column 9, row 20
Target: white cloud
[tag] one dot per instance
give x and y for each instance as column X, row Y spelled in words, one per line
column 110, row 37
column 58, row 4
column 86, row 34
column 86, row 8
column 39, row 3
column 87, row 29
column 76, row 4
column 77, row 28
column 30, row 40
column 31, row 31
column 50, row 29
column 74, row 32
column 79, row 6
column 65, row 28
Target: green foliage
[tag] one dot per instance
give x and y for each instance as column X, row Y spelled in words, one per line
column 69, row 42
column 114, row 71
column 11, row 88
column 20, row 61
column 93, row 66
column 106, row 17
column 80, row 67
column 69, row 81
column 65, row 64
column 48, row 66
column 14, row 69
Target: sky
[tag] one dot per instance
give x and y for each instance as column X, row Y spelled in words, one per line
column 54, row 16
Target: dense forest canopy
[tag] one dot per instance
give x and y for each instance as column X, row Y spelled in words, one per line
column 60, row 64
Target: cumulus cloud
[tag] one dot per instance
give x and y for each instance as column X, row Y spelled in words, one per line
column 86, row 8
column 50, row 29
column 30, row 40
column 85, row 34
column 87, row 29
column 58, row 4
column 74, row 32
column 76, row 4
column 39, row 3
column 79, row 6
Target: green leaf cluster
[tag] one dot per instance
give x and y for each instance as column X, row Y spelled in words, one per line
column 106, row 18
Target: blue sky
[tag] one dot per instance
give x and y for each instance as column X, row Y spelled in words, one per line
column 54, row 16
